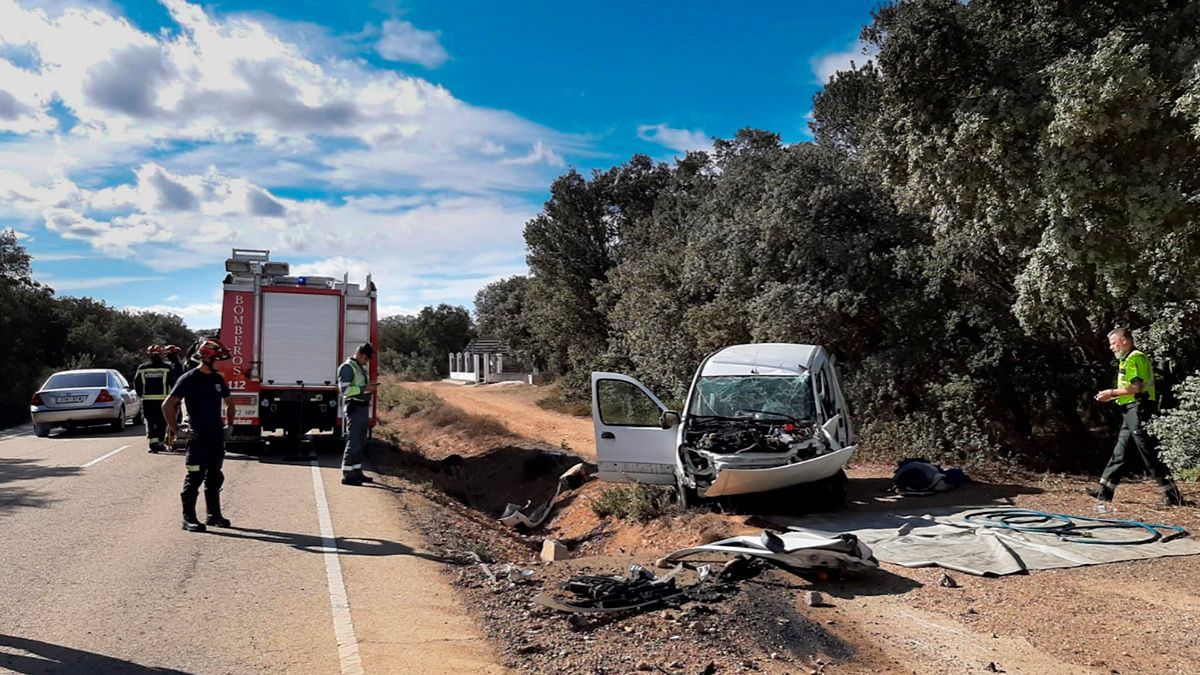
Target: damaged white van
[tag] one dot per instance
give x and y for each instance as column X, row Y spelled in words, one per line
column 758, row 417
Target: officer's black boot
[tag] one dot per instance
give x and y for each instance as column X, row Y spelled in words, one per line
column 190, row 522
column 1172, row 496
column 212, row 501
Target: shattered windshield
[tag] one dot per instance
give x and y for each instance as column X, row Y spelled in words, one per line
column 727, row 395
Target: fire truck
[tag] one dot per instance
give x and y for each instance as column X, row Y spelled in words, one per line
column 287, row 336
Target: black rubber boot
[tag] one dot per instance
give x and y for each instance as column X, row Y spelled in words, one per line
column 212, row 501
column 1173, row 497
column 190, row 522
column 1100, row 493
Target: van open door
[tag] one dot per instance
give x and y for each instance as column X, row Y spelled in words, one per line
column 845, row 432
column 631, row 445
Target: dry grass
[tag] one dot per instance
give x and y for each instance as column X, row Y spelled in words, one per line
column 556, row 402
column 409, row 402
column 634, row 502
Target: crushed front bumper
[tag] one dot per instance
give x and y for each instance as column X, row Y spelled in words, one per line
column 743, row 481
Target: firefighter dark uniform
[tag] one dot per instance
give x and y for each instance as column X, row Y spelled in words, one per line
column 205, row 394
column 1136, row 410
column 175, row 362
column 153, row 382
column 356, row 414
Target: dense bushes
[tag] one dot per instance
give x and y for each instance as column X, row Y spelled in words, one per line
column 40, row 333
column 983, row 201
column 1178, row 429
column 416, row 347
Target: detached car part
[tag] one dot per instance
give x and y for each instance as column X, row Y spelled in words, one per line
column 796, row 550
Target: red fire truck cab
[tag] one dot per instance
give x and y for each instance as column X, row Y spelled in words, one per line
column 288, row 335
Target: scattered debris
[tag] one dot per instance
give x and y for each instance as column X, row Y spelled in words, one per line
column 531, row 648
column 796, row 550
column 814, row 599
column 991, row 667
column 482, row 565
column 638, row 589
column 515, row 574
column 947, row 581
column 515, row 514
column 553, row 550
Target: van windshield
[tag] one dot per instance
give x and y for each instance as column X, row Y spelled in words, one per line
column 729, row 395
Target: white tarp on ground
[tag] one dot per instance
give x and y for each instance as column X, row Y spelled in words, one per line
column 942, row 538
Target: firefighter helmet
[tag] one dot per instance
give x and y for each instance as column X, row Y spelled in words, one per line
column 155, row 350
column 172, row 349
column 211, row 350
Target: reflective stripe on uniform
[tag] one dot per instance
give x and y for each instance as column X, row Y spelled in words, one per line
column 192, row 468
column 351, row 467
column 156, row 377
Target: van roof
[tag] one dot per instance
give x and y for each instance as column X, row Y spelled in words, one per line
column 770, row 358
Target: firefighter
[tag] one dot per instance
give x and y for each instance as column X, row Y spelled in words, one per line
column 175, row 361
column 152, row 382
column 210, row 409
column 356, row 413
column 1136, row 397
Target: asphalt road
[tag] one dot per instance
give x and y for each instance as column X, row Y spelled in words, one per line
column 97, row 576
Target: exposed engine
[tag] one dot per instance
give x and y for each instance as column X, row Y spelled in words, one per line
column 714, row 444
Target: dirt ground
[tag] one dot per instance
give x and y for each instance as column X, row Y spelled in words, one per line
column 1137, row 617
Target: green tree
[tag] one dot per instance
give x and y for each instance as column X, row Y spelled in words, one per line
column 500, row 311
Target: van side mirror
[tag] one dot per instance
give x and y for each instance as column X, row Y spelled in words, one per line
column 669, row 419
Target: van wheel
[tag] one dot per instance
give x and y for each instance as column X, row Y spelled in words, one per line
column 835, row 491
column 41, row 430
column 119, row 423
column 687, row 497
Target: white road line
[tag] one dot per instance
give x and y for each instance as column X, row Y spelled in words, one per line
column 339, row 602
column 103, row 457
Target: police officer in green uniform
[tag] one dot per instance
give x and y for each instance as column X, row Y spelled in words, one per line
column 153, row 382
column 356, row 413
column 1137, row 399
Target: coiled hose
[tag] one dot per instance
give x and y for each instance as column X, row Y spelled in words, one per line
column 1067, row 528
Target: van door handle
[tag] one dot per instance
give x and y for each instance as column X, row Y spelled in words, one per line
column 607, row 435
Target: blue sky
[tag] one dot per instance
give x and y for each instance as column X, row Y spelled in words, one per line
column 141, row 141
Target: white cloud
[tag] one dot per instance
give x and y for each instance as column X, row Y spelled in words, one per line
column 67, row 285
column 857, row 54
column 681, row 140
column 401, row 41
column 539, row 154
column 190, row 141
column 232, row 78
column 195, row 315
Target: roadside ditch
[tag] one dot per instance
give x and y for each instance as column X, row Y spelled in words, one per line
column 457, row 473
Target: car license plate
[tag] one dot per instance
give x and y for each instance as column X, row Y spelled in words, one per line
column 70, row 399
